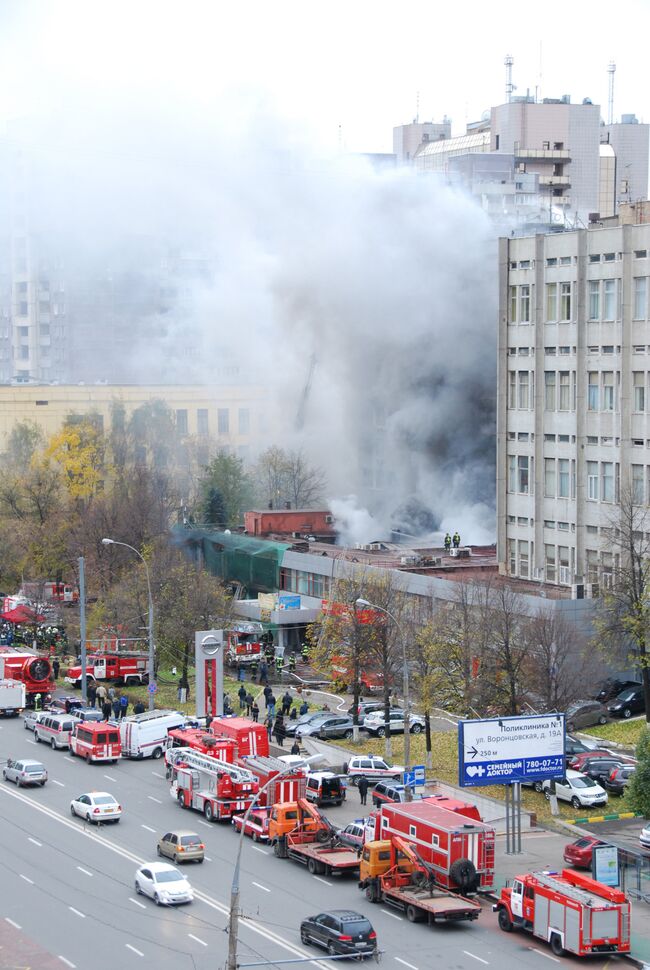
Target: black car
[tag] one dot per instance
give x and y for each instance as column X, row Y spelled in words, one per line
column 618, row 780
column 612, row 687
column 599, row 768
column 628, row 702
column 340, row 931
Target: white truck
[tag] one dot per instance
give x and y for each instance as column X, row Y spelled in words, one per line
column 12, row 697
column 145, row 735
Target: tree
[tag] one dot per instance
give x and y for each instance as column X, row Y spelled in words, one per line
column 639, row 790
column 558, row 664
column 25, row 439
column 226, row 474
column 286, row 479
column 624, row 610
column 79, row 450
column 213, row 510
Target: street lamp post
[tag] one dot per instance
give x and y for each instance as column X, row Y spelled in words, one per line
column 405, row 678
column 114, row 542
column 233, row 920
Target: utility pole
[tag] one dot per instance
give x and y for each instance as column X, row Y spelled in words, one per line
column 82, row 629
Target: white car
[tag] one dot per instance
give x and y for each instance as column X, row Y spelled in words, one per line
column 644, row 837
column 96, row 806
column 581, row 790
column 373, row 768
column 163, row 883
column 375, row 722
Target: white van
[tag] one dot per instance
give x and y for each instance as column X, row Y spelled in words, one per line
column 55, row 729
column 145, row 735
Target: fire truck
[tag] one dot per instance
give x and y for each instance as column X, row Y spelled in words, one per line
column 34, row 671
column 223, row 749
column 126, row 668
column 570, row 910
column 244, row 644
column 216, row 788
column 289, row 787
column 252, row 739
column 50, row 592
column 460, row 849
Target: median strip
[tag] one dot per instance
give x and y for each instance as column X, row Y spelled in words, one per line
column 603, row 818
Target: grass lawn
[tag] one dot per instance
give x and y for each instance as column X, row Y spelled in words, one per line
column 623, row 732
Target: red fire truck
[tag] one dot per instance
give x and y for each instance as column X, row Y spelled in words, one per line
column 288, row 788
column 34, row 671
column 244, row 644
column 126, row 668
column 216, row 788
column 459, row 849
column 50, row 591
column 252, row 739
column 568, row 909
column 223, row 749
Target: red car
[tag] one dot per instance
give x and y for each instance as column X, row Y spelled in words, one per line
column 578, row 759
column 578, row 853
column 257, row 825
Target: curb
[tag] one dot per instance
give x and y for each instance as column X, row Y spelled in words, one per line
column 603, row 818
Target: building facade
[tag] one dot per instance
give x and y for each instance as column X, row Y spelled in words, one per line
column 573, row 428
column 408, row 138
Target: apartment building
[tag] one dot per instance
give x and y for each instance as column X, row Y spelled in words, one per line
column 573, row 418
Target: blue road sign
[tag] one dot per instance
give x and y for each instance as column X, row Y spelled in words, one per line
column 415, row 777
column 152, row 687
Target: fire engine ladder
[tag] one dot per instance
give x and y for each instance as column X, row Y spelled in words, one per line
column 148, row 716
column 203, row 762
column 578, row 895
column 264, row 763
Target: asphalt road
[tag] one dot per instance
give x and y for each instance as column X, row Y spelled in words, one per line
column 67, row 896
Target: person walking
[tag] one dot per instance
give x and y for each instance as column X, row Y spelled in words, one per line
column 124, row 705
column 363, row 789
column 241, row 693
column 116, row 708
column 92, row 695
column 279, row 730
column 287, row 701
column 267, row 693
column 101, row 695
column 270, row 704
column 249, row 703
column 56, row 666
column 295, row 747
column 106, row 709
column 139, row 708
column 111, row 694
column 268, row 724
column 255, row 712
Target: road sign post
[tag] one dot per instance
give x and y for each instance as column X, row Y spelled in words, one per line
column 152, row 687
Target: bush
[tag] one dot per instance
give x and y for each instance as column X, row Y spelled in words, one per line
column 640, row 782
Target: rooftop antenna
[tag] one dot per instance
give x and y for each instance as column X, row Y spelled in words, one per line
column 509, row 61
column 611, row 70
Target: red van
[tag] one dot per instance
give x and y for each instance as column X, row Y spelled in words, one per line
column 96, row 741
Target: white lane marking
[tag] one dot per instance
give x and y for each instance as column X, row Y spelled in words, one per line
column 13, row 923
column 151, row 798
column 76, row 912
column 388, row 913
column 29, row 741
column 68, row 963
column 207, row 858
column 410, row 965
column 192, row 937
column 68, row 758
column 129, row 947
column 256, row 848
column 474, row 957
column 158, row 774
column 324, row 881
column 542, row 954
column 110, row 777
column 53, row 781
column 35, row 841
column 201, row 822
column 27, row 879
column 259, row 886
column 148, row 828
column 81, row 869
column 137, row 902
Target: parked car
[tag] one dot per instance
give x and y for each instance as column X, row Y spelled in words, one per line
column 618, row 779
column 291, row 727
column 365, row 707
column 612, row 687
column 24, row 772
column 375, row 723
column 373, row 768
column 578, row 854
column 181, row 846
column 96, row 806
column 164, row 884
column 88, row 714
column 330, row 726
column 573, row 747
column 578, row 789
column 599, row 768
column 340, row 931
column 644, row 837
column 628, row 702
column 386, row 791
column 582, row 714
column 257, row 824
column 579, row 759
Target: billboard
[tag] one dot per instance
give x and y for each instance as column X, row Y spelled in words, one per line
column 605, row 865
column 502, row 750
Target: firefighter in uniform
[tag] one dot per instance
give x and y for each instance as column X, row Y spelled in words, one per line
column 292, row 662
column 447, row 542
column 456, row 539
column 279, row 665
column 304, row 653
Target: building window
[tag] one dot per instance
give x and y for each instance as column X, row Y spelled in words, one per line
column 592, row 480
column 607, row 481
column 244, row 421
column 549, row 477
column 565, row 301
column 181, row 421
column 592, row 565
column 523, row 559
column 513, row 304
column 223, row 420
column 565, row 572
column 637, row 484
column 609, row 300
column 608, row 390
column 22, row 308
column 512, row 389
column 549, row 563
column 524, row 304
column 593, row 392
column 638, row 378
column 512, row 473
column 512, row 557
column 563, row 479
column 565, row 391
column 549, row 390
column 551, row 261
column 640, row 297
column 202, row 425
column 522, row 474
column 524, row 390
column 551, row 301
column 594, row 299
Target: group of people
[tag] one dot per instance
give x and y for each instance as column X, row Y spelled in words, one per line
column 449, row 541
column 110, row 703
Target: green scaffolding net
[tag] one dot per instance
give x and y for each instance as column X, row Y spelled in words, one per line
column 255, row 563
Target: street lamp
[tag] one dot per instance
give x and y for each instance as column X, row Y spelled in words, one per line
column 405, row 679
column 233, row 921
column 114, row 542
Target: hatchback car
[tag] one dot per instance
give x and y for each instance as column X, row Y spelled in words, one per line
column 340, row 931
column 582, row 714
column 578, row 789
column 375, row 723
column 332, row 726
column 578, row 854
column 618, row 779
column 373, row 768
column 628, row 702
column 181, row 846
column 256, row 825
column 24, row 772
column 96, row 806
column 291, row 727
column 164, row 884
column 599, row 768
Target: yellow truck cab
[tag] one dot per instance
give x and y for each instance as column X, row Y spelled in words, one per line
column 378, row 857
column 286, row 816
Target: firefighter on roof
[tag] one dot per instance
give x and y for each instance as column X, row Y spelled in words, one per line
column 456, row 539
column 447, row 542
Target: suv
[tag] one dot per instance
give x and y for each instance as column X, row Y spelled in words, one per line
column 386, row 791
column 583, row 714
column 578, row 789
column 618, row 779
column 612, row 687
column 375, row 723
column 330, row 726
column 365, row 707
column 373, row 768
column 600, row 768
column 628, row 702
column 340, row 931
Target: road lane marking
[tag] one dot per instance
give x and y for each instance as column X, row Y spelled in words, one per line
column 35, row 841
column 27, row 879
column 201, row 822
column 198, row 940
column 53, row 781
column 29, row 741
column 13, row 923
column 148, row 828
column 158, row 774
column 68, row 758
column 324, row 881
column 76, row 912
column 388, row 913
column 256, row 848
column 207, row 858
column 68, row 963
column 151, row 798
column 137, row 902
column 81, row 869
column 259, row 886
column 474, row 957
column 410, row 965
column 110, row 777
column 129, row 947
column 542, row 954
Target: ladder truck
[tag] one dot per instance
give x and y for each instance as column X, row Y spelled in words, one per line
column 216, row 788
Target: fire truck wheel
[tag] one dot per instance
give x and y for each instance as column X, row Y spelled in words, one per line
column 556, row 945
column 89, row 760
column 181, row 800
column 505, row 923
column 413, row 914
column 463, row 873
column 157, row 754
column 207, row 811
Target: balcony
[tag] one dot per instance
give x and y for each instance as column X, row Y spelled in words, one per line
column 548, row 154
column 555, row 181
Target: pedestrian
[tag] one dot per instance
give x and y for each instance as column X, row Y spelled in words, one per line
column 255, row 712
column 111, row 694
column 101, row 694
column 304, row 708
column 249, row 703
column 267, row 693
column 139, row 708
column 264, row 673
column 116, row 708
column 38, row 702
column 279, row 731
column 447, row 542
column 124, row 705
column 268, row 724
column 106, row 709
column 227, row 707
column 287, row 701
column 55, row 668
column 92, row 695
column 363, row 789
column 295, row 747
column 241, row 693
column 456, row 539
column 304, row 653
column 270, row 704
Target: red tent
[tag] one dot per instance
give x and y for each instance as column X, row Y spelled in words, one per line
column 22, row 614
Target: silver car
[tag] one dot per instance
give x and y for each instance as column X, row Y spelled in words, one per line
column 24, row 772
column 31, row 717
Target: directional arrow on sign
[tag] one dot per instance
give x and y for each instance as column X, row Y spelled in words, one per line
column 471, row 752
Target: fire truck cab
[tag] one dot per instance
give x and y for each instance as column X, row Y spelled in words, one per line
column 244, row 644
column 96, row 741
